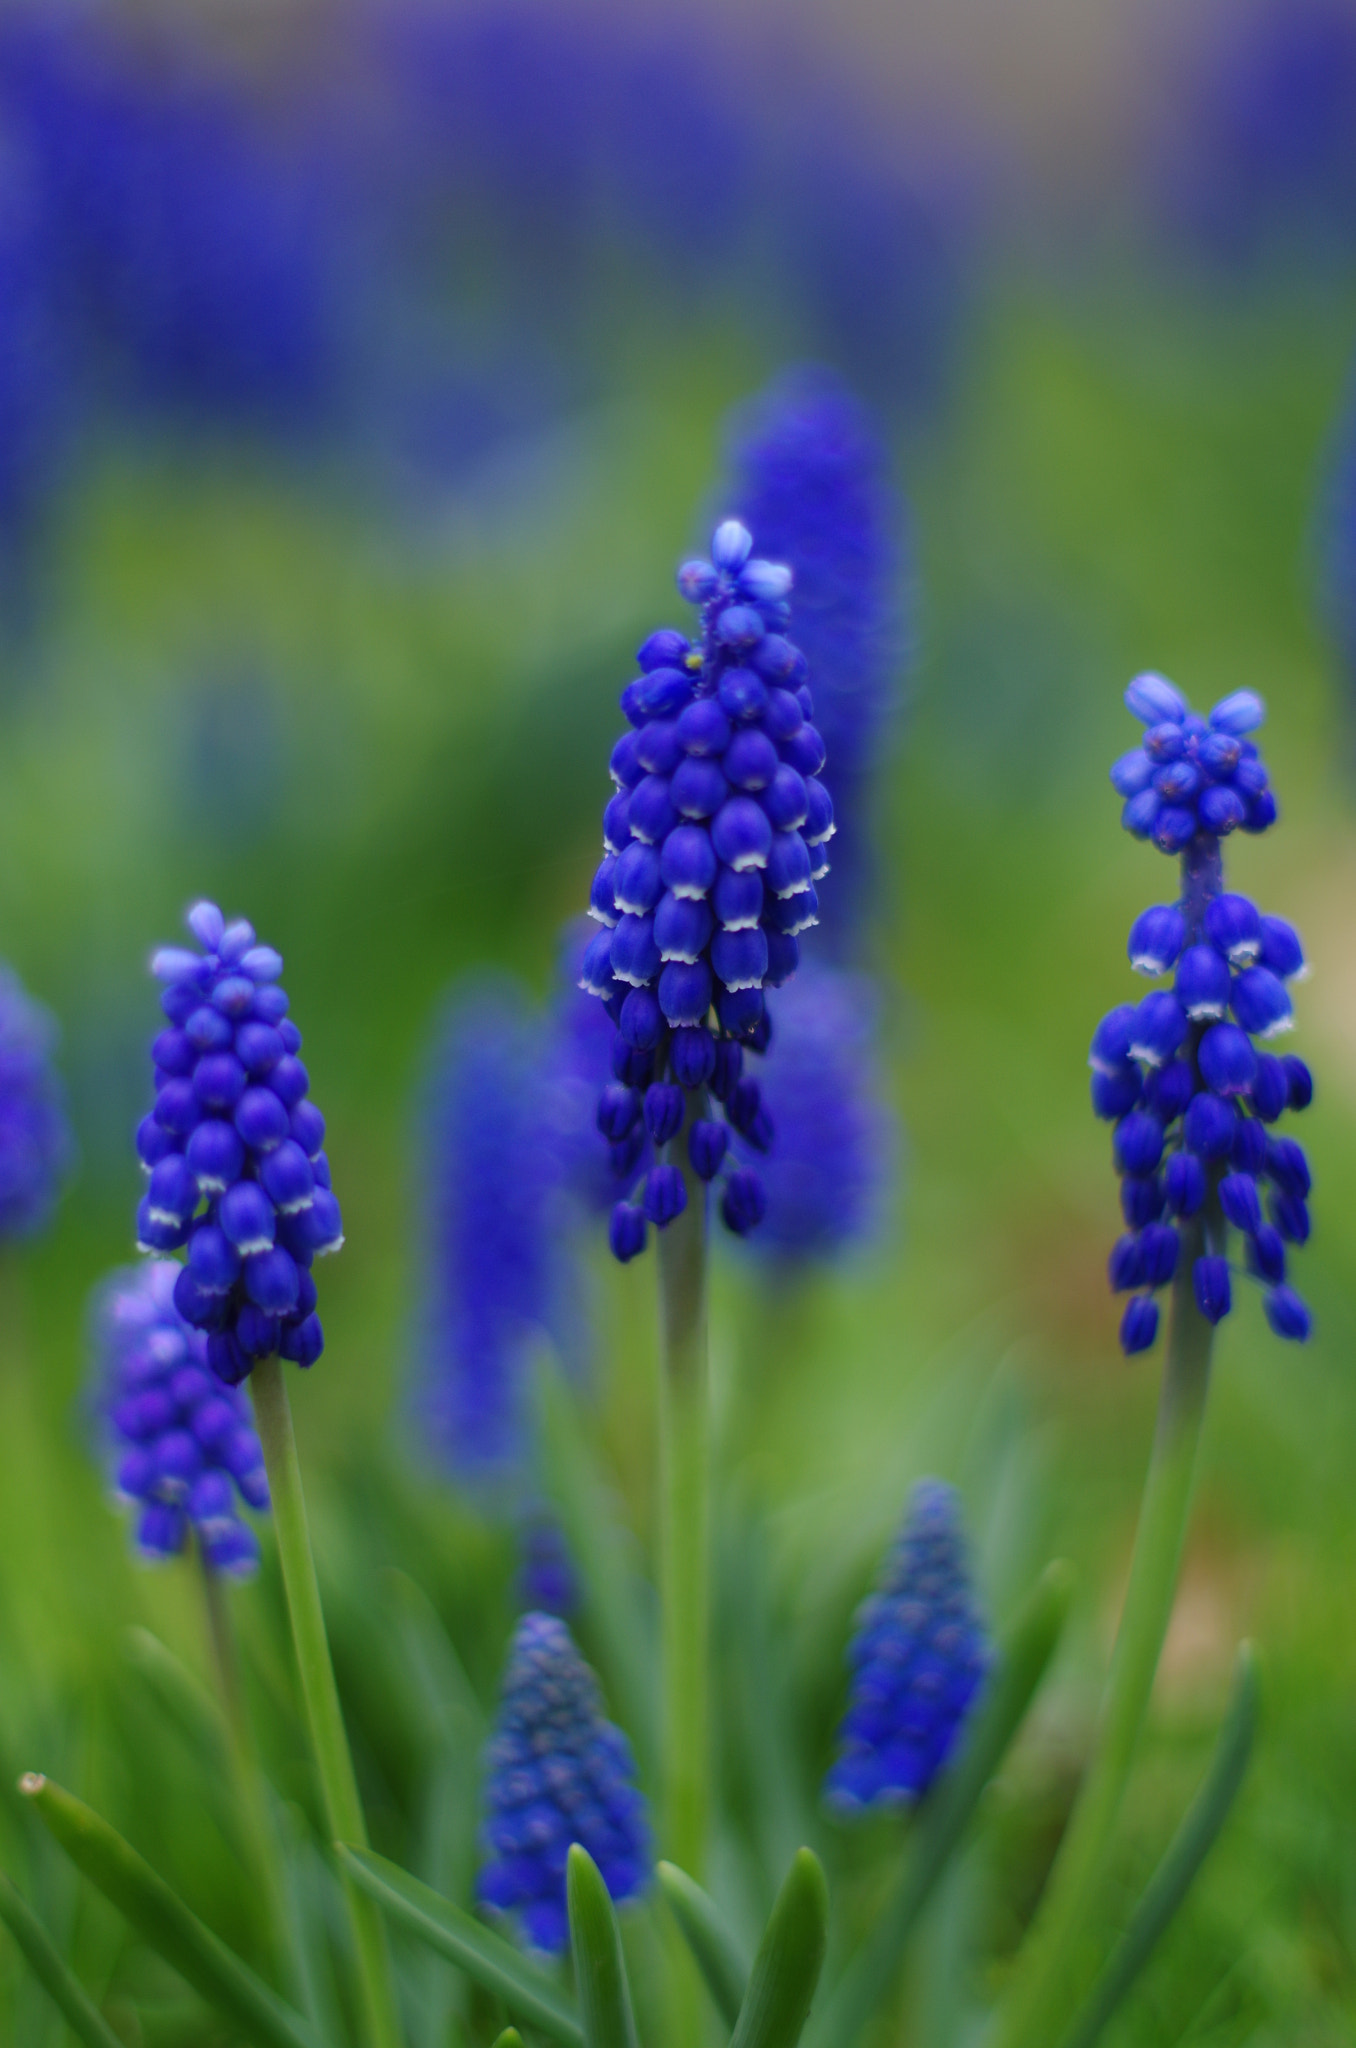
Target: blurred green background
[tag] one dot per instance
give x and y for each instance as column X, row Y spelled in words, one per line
column 378, row 727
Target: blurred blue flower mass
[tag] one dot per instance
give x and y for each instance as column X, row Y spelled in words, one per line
column 36, row 1148
column 557, row 1772
column 1191, row 1097
column 233, row 1129
column 917, row 1660
column 180, row 1444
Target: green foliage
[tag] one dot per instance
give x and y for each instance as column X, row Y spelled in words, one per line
column 790, row 1956
column 64, row 1990
column 599, row 1966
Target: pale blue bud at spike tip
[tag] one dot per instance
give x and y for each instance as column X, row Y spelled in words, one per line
column 1180, row 1075
column 36, row 1148
column 556, row 1772
column 180, row 1445
column 712, row 846
column 239, row 1179
column 918, row 1660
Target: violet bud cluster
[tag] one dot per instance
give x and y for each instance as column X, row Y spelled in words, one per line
column 234, row 1151
column 713, row 844
column 1182, row 1075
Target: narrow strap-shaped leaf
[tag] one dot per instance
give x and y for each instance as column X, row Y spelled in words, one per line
column 703, row 1928
column 1024, row 1651
column 789, row 1959
column 1186, row 1852
column 481, row 1954
column 164, row 1921
column 510, row 2038
column 65, row 1992
column 599, row 1966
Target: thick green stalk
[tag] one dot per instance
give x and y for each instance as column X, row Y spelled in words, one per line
column 1060, row 1955
column 685, row 1534
column 334, row 1765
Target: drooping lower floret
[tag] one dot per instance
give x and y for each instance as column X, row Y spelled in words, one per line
column 235, row 1152
column 1193, row 1099
column 712, row 846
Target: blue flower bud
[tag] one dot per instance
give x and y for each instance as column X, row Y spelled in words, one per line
column 1249, row 1151
column 1139, row 1142
column 1270, row 1090
column 1115, row 1093
column 1140, row 814
column 741, row 834
column 1184, row 1184
column 1164, row 743
column 1125, row 1267
column 1233, row 925
column 1287, row 1314
column 636, row 884
column 664, row 1111
column 685, row 992
column 1221, row 811
column 1156, row 939
column 634, row 954
column 1226, row 1059
column 1299, row 1081
column 1169, row 1089
column 738, row 898
column 739, row 958
column 1240, row 714
column 1153, row 699
column 744, row 1203
column 641, row 1021
column 1260, row 1003
column 626, row 1232
column 650, row 814
column 1239, row 1200
column 731, row 545
column 1159, row 1246
column 692, row 1056
column 271, row 1281
column 707, row 1143
column 697, row 789
column 1210, row 1282
column 1208, row 1127
column 1159, row 1027
column 742, row 695
column 1139, row 1324
column 665, row 1195
column 213, row 1261
column 157, row 1234
column 1111, row 1040
column 1291, row 1217
column 1281, row 954
column 1202, row 984
column 595, row 973
column 1266, row 1254
column 1132, row 774
column 1177, row 783
column 261, row 1119
column 1174, row 828
column 751, row 761
column 618, row 1109
column 1288, row 1167
column 1141, row 1198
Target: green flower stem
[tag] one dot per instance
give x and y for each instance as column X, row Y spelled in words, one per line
column 685, row 1533
column 251, row 1791
column 339, row 1788
column 1060, row 1955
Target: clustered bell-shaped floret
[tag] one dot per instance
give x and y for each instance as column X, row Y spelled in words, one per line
column 713, row 844
column 235, row 1152
column 556, row 1773
column 1192, row 1097
column 1189, row 774
column 918, row 1660
column 180, row 1443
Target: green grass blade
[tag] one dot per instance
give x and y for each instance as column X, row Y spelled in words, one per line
column 164, row 1922
column 1186, row 1852
column 510, row 2038
column 599, row 1969
column 1024, row 1652
column 484, row 1956
column 706, row 1934
column 790, row 1957
column 64, row 1990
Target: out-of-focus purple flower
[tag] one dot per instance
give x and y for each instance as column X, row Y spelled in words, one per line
column 810, row 475
column 179, row 1443
column 547, row 1582
column 488, row 1283
column 36, row 1148
column 1338, row 542
column 577, row 1064
column 828, row 1176
column 1255, row 155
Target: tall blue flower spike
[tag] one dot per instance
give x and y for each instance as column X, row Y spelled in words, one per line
column 828, row 1177
column 1192, row 1099
column 180, row 1444
column 556, row 1773
column 486, row 1275
column 234, row 1149
column 36, row 1148
column 547, row 1581
column 810, row 473
column 918, row 1660
column 713, row 844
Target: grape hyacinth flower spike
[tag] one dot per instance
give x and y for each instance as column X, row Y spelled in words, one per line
column 918, row 1660
column 235, row 1152
column 36, row 1147
column 1193, row 1098
column 557, row 1772
column 181, row 1444
column 713, row 844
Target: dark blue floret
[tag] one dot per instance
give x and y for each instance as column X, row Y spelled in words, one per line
column 712, row 847
column 1179, row 1075
column 238, row 1173
column 36, row 1148
column 918, row 1659
column 180, row 1444
column 556, row 1773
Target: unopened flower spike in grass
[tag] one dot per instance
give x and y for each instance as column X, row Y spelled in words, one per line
column 1193, row 1098
column 181, row 1445
column 556, row 1772
column 713, row 843
column 918, row 1660
column 235, row 1152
